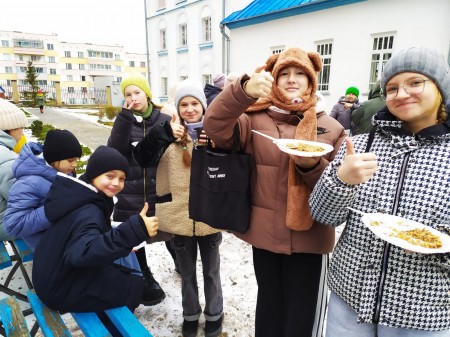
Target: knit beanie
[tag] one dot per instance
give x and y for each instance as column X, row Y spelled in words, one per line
column 421, row 60
column 190, row 88
column 352, row 90
column 60, row 145
column 138, row 80
column 219, row 80
column 11, row 117
column 105, row 159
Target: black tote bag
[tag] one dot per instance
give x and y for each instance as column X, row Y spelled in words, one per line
column 219, row 193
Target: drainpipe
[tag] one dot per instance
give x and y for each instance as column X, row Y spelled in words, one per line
column 225, row 44
column 146, row 43
column 226, row 38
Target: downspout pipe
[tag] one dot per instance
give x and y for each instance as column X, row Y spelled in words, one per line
column 226, row 43
column 146, row 43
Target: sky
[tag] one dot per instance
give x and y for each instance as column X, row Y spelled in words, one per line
column 81, row 21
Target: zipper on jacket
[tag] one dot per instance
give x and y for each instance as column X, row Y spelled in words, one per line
column 145, row 175
column 194, row 223
column 387, row 245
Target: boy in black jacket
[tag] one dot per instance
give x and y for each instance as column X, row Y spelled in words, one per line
column 75, row 264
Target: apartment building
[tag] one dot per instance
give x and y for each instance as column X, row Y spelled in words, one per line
column 76, row 73
column 186, row 41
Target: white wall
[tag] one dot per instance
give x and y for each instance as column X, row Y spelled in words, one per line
column 350, row 27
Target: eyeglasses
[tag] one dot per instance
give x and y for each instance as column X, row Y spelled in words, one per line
column 413, row 86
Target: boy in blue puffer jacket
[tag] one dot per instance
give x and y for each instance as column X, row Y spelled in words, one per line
column 35, row 170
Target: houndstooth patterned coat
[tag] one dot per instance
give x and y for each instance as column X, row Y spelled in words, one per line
column 383, row 283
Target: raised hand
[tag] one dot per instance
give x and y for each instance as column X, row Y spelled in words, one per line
column 177, row 129
column 259, row 84
column 151, row 223
column 357, row 168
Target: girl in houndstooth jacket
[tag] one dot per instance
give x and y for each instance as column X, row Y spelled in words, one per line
column 378, row 289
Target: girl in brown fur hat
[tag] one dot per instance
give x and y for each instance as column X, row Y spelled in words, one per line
column 289, row 248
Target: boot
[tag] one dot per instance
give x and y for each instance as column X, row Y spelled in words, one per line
column 213, row 328
column 153, row 294
column 190, row 328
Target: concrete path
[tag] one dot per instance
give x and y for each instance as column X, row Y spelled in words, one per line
column 90, row 134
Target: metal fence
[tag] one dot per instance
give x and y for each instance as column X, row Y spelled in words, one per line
column 69, row 95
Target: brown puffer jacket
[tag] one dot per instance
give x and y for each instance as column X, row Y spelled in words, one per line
column 173, row 177
column 269, row 185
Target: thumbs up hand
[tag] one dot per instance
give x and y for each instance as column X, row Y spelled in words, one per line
column 357, row 168
column 151, row 223
column 259, row 84
column 177, row 129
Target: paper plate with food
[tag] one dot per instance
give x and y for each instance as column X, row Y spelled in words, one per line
column 407, row 234
column 303, row 148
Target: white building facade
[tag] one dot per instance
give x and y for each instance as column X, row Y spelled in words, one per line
column 185, row 41
column 355, row 38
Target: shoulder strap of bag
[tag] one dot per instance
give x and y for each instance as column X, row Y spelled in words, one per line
column 371, row 137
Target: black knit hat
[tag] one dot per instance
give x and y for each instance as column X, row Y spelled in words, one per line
column 60, row 145
column 105, row 159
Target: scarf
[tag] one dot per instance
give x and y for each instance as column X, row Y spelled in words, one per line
column 146, row 113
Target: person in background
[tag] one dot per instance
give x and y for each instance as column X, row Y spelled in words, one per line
column 343, row 109
column 74, row 264
column 12, row 138
column 290, row 250
column 138, row 116
column 377, row 288
column 35, row 170
column 41, row 100
column 211, row 91
column 174, row 142
column 362, row 117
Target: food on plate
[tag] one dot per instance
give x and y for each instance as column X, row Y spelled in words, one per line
column 305, row 147
column 419, row 237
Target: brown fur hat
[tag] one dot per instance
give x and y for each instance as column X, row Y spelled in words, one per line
column 310, row 62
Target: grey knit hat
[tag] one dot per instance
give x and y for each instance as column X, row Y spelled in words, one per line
column 425, row 61
column 11, row 117
column 190, row 88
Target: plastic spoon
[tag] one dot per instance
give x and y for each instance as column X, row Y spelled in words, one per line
column 264, row 135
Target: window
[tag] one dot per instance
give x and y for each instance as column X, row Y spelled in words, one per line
column 101, row 54
column 277, row 49
column 50, row 46
column 118, row 68
column 71, row 89
column 131, row 63
column 84, row 90
column 162, row 39
column 8, row 70
column 67, row 54
column 35, row 58
column 5, row 43
column 68, row 65
column 70, row 77
column 81, row 66
column 52, row 71
column 51, row 59
column 323, row 78
column 206, row 29
column 142, row 64
column 182, row 78
column 80, row 54
column 182, row 29
column 119, row 79
column 117, row 57
column 381, row 53
column 207, row 79
column 83, row 78
column 164, row 87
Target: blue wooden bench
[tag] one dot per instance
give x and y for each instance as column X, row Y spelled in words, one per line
column 52, row 325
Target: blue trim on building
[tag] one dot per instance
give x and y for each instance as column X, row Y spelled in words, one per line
column 206, row 45
column 260, row 11
column 163, row 53
column 182, row 50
